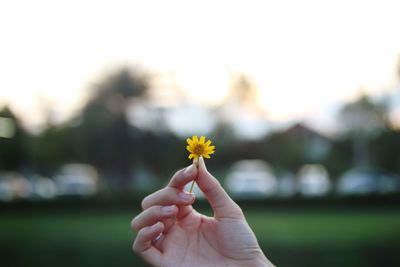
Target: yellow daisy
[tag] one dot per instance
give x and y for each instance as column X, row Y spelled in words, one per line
column 199, row 147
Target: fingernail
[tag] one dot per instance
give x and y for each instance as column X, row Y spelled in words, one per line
column 189, row 170
column 185, row 196
column 167, row 209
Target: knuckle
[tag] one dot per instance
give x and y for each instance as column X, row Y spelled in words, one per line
column 178, row 175
column 237, row 210
column 171, row 195
column 153, row 211
column 211, row 188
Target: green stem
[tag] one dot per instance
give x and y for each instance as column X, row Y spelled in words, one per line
column 196, row 163
column 191, row 187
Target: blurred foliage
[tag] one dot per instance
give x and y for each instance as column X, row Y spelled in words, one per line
column 106, row 138
column 362, row 120
column 13, row 151
column 385, row 151
column 364, row 116
column 285, row 151
column 102, row 135
column 340, row 157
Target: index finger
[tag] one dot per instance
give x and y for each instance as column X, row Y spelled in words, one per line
column 182, row 177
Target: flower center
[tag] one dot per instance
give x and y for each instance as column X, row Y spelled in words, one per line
column 198, row 149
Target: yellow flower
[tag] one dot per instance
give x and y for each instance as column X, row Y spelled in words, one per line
column 199, row 147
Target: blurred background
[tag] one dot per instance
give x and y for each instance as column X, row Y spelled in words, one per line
column 300, row 98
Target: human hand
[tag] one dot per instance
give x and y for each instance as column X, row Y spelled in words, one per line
column 171, row 233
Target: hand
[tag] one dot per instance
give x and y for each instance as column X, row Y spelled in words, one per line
column 171, row 233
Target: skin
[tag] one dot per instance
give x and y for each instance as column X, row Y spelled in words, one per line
column 172, row 234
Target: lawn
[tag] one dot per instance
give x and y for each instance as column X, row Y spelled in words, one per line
column 289, row 237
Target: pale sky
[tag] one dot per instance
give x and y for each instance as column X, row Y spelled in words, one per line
column 304, row 56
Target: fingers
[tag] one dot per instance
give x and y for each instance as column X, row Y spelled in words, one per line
column 173, row 194
column 168, row 196
column 143, row 247
column 222, row 205
column 159, row 210
column 182, row 177
column 152, row 215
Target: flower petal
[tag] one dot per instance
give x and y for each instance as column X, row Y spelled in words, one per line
column 208, row 143
column 189, row 141
column 195, row 139
column 202, row 139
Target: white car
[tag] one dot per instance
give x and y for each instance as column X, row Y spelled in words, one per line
column 76, row 180
column 361, row 181
column 251, row 179
column 313, row 180
column 14, row 186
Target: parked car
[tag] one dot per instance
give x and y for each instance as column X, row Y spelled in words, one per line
column 251, row 179
column 42, row 187
column 313, row 180
column 14, row 186
column 367, row 180
column 76, row 180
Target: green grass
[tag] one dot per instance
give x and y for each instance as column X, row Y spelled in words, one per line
column 328, row 228
column 290, row 238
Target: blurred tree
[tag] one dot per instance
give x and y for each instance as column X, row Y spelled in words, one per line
column 361, row 120
column 50, row 149
column 295, row 146
column 163, row 153
column 243, row 90
column 339, row 159
column 240, row 111
column 106, row 138
column 12, row 141
column 385, row 151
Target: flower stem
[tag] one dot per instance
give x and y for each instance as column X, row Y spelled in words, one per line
column 196, row 163
column 191, row 187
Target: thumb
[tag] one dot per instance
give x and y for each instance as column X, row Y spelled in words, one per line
column 222, row 205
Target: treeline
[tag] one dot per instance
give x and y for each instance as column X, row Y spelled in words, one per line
column 103, row 136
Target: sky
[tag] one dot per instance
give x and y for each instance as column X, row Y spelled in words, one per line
column 305, row 57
